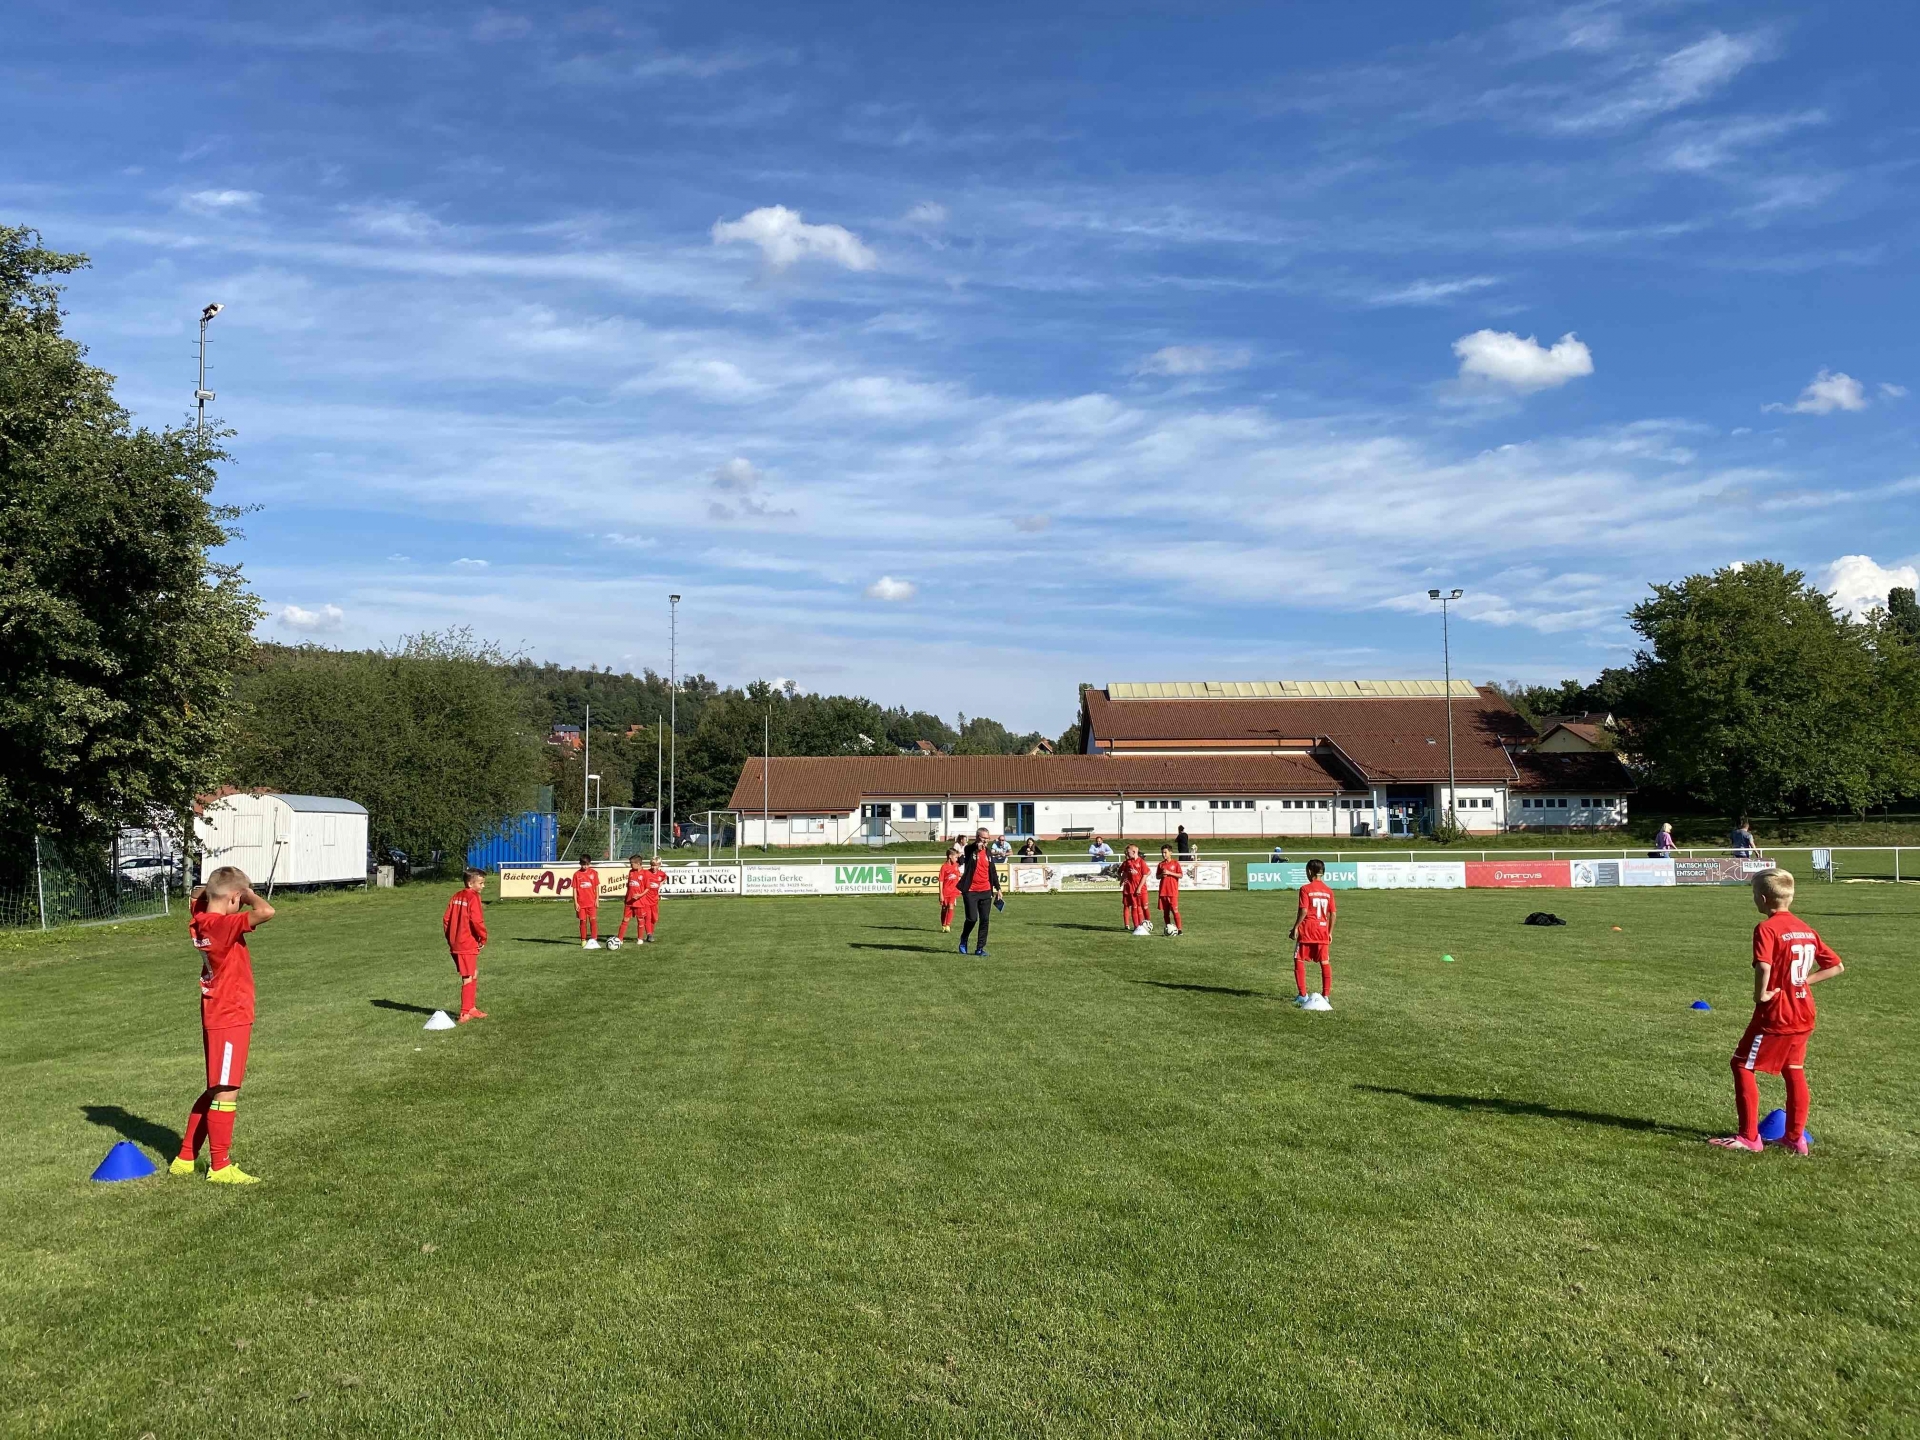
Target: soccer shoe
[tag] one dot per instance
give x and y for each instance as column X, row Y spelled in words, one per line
column 466, row 1015
column 1299, row 1002
column 589, row 944
column 616, row 942
column 963, row 947
column 232, row 1174
column 1796, row 1147
column 946, row 929
column 181, row 1166
column 1735, row 1142
column 979, row 952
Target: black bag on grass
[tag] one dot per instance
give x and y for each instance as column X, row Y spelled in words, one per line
column 1541, row 917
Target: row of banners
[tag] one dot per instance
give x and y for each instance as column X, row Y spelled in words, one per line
column 1508, row 874
column 876, row 877
column 889, row 877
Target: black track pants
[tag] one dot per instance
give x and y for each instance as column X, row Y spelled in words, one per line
column 979, row 911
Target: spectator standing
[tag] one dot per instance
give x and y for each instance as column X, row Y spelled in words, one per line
column 1183, row 844
column 1741, row 840
column 1663, row 842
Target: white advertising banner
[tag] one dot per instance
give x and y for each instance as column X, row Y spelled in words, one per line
column 785, row 880
column 1077, row 875
column 1412, row 874
column 1588, row 874
column 874, row 877
column 685, row 880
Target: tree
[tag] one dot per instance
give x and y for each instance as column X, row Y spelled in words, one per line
column 1754, row 695
column 118, row 629
column 436, row 739
column 1903, row 615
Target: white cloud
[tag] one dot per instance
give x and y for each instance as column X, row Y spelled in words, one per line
column 1193, row 360
column 891, row 590
column 399, row 557
column 1829, row 391
column 327, row 617
column 1431, row 292
column 1031, row 524
column 1500, row 357
column 927, row 212
column 1857, row 583
column 215, row 202
column 742, row 491
column 785, row 239
column 471, row 563
column 1682, row 78
column 394, row 222
column 1893, row 391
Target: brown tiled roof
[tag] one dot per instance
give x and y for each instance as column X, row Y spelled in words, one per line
column 1597, row 736
column 1571, row 770
column 839, row 783
column 1386, row 737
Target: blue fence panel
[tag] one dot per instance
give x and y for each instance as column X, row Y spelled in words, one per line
column 532, row 838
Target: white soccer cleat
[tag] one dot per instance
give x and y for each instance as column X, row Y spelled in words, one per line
column 589, row 944
column 615, row 943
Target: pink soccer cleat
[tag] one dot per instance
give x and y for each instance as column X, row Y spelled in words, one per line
column 1796, row 1147
column 1737, row 1142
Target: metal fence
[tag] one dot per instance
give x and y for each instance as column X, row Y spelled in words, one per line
column 63, row 894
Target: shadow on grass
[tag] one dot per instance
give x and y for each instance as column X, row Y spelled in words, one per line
column 916, row 929
column 1096, row 929
column 543, row 940
column 401, row 1005
column 1206, row 989
column 136, row 1128
column 905, row 949
column 1534, row 1110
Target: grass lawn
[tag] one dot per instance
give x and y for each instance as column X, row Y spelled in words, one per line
column 799, row 1169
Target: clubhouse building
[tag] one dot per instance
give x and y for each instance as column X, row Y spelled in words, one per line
column 1225, row 759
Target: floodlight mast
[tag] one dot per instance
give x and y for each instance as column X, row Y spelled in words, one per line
column 1446, row 662
column 673, row 707
column 200, row 392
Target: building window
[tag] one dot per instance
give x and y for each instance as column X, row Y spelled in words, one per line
column 959, row 809
column 909, row 811
column 933, row 809
column 986, row 810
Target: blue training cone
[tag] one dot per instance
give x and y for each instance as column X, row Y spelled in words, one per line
column 1773, row 1129
column 126, row 1161
column 1701, row 1005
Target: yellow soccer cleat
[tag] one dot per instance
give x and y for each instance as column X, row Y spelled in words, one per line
column 232, row 1174
column 181, row 1167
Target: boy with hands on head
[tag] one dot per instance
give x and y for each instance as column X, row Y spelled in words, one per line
column 1789, row 959
column 223, row 914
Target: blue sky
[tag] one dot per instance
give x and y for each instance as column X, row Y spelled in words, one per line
column 955, row 354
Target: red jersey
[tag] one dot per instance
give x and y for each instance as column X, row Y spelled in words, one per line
column 1133, row 875
column 949, row 883
column 1789, row 946
column 636, row 886
column 586, row 888
column 1314, row 924
column 656, row 882
column 226, row 969
column 1168, row 873
column 464, row 923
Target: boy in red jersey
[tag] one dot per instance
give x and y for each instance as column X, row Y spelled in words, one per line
column 949, row 888
column 586, row 903
column 466, row 929
column 222, row 916
column 1168, row 873
column 1133, row 892
column 1312, row 936
column 1789, row 959
column 650, row 908
column 635, row 906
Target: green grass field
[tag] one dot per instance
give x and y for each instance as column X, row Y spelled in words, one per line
column 801, row 1170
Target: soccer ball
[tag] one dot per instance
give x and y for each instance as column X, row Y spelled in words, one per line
column 615, row 943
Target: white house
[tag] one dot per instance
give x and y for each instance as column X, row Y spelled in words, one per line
column 283, row 839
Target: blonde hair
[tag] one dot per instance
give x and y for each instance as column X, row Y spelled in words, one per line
column 1774, row 886
column 228, row 880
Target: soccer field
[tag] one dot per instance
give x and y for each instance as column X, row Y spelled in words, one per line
column 800, row 1169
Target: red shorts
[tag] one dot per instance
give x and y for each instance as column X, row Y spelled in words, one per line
column 1769, row 1053
column 634, row 910
column 1317, row 951
column 226, row 1056
column 468, row 965
column 1169, row 899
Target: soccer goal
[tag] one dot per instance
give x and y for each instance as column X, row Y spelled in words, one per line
column 613, row 832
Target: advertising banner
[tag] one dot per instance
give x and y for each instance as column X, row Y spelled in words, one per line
column 918, row 879
column 1718, row 871
column 1519, row 875
column 552, row 881
column 1604, row 873
column 1412, row 875
column 1201, row 875
column 784, row 879
column 870, row 878
column 1291, row 875
column 685, row 880
column 1081, row 875
column 1030, row 879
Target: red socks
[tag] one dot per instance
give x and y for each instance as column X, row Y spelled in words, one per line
column 220, row 1133
column 467, row 989
column 1746, row 1101
column 1798, row 1099
column 1300, row 976
column 1326, row 979
column 589, row 925
column 196, row 1135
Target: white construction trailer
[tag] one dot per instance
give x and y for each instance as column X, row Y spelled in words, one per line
column 284, row 839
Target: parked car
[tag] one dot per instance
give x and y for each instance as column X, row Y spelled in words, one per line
column 147, row 869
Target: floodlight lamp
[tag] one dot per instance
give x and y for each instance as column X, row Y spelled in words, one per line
column 593, row 777
column 1456, row 594
column 1433, row 594
column 211, row 311
column 674, row 598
